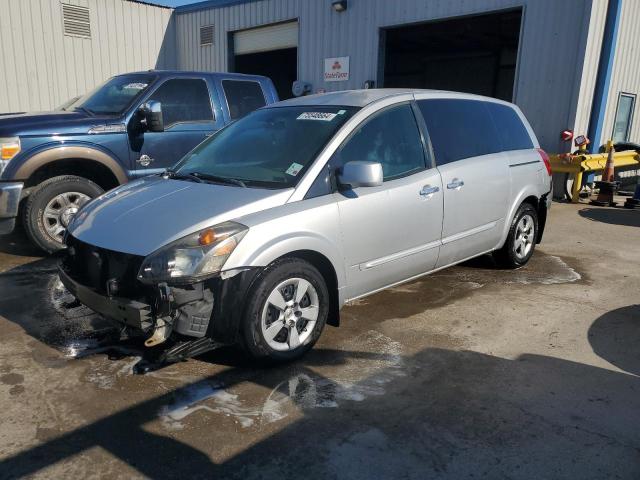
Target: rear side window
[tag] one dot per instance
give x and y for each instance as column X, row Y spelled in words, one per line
column 243, row 97
column 459, row 129
column 512, row 132
column 184, row 100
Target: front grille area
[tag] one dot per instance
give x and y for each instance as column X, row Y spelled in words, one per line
column 93, row 267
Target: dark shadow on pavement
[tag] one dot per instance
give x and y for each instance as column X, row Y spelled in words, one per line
column 18, row 244
column 615, row 336
column 613, row 216
column 452, row 414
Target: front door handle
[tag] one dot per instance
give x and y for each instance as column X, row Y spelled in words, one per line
column 427, row 191
column 455, row 184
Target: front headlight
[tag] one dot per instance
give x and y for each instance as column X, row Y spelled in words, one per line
column 194, row 257
column 9, row 148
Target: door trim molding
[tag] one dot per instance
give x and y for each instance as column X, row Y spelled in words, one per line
column 468, row 233
column 524, row 163
column 398, row 255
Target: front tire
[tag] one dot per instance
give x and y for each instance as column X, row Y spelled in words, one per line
column 51, row 206
column 287, row 310
column 521, row 241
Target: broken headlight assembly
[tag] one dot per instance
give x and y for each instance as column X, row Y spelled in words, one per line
column 192, row 258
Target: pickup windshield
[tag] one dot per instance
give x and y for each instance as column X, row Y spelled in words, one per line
column 269, row 148
column 115, row 95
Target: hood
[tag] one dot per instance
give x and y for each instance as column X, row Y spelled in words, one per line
column 51, row 123
column 142, row 216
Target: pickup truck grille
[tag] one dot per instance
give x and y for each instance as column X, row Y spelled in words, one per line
column 94, row 267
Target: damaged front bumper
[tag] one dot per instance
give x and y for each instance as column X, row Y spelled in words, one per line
column 132, row 313
column 105, row 281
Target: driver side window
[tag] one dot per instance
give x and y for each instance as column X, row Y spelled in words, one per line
column 391, row 137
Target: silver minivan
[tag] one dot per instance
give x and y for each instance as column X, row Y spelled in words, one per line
column 263, row 232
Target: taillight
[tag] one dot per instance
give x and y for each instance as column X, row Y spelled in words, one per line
column 545, row 159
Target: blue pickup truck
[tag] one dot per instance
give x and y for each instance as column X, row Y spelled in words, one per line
column 132, row 125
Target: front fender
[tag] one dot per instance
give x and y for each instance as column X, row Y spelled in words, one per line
column 37, row 158
column 308, row 225
column 285, row 244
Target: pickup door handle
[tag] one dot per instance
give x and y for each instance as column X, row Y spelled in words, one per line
column 427, row 191
column 456, row 183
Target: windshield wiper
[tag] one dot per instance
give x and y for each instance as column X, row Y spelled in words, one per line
column 85, row 110
column 215, row 178
column 182, row 176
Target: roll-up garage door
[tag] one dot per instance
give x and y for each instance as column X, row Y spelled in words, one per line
column 265, row 39
column 272, row 51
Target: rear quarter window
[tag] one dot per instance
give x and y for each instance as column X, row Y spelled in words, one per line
column 512, row 132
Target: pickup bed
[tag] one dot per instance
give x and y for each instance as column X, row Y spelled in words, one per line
column 132, row 125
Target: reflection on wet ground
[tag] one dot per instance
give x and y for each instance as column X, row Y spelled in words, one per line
column 34, row 299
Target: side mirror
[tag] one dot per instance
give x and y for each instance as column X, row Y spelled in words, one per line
column 361, row 174
column 151, row 113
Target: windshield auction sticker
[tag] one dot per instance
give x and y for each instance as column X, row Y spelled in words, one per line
column 322, row 116
column 135, row 86
column 294, row 169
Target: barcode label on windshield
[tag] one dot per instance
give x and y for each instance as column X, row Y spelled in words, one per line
column 322, row 116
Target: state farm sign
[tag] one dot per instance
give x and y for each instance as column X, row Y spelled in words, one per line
column 336, row 69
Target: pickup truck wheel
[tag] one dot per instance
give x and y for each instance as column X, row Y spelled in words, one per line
column 287, row 310
column 521, row 241
column 51, row 206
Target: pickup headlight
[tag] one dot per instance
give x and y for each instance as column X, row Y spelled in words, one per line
column 9, row 148
column 194, row 257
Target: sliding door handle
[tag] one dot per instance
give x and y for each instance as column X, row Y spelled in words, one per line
column 455, row 184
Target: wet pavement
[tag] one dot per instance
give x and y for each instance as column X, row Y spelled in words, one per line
column 470, row 372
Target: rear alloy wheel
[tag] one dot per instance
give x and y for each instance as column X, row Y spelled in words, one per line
column 52, row 205
column 521, row 240
column 287, row 310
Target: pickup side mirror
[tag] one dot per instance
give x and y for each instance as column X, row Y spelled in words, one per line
column 151, row 113
column 361, row 174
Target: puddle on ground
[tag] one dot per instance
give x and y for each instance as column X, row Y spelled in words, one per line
column 34, row 298
column 454, row 283
column 369, row 362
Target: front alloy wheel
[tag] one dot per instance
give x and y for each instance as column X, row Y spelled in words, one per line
column 290, row 314
column 286, row 311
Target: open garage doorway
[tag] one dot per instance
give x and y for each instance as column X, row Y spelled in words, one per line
column 271, row 51
column 475, row 54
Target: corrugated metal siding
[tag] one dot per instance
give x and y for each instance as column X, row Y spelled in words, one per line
column 41, row 68
column 587, row 80
column 550, row 59
column 626, row 69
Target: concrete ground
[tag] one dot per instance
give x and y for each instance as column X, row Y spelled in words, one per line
column 472, row 372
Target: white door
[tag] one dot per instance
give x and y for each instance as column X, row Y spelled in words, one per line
column 390, row 232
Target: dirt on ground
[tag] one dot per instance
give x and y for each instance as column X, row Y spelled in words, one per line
column 472, row 372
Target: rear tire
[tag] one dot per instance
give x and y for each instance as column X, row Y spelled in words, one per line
column 290, row 294
column 521, row 240
column 51, row 206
